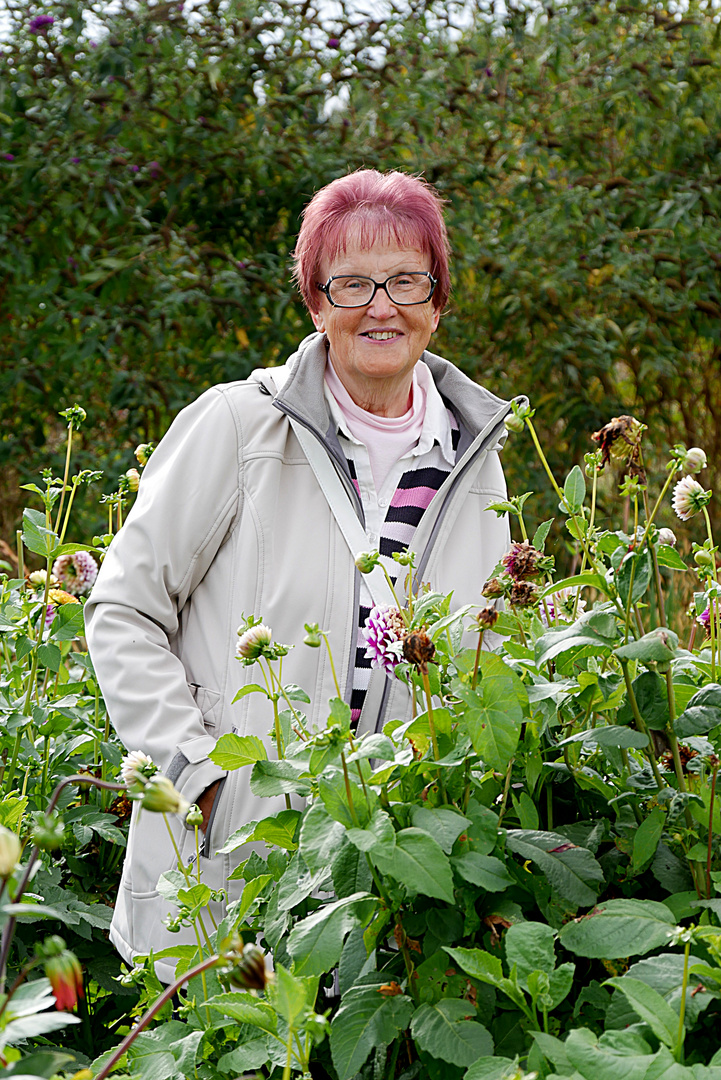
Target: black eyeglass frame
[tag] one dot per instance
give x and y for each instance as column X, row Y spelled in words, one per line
column 325, row 289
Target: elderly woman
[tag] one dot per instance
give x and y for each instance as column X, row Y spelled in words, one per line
column 257, row 501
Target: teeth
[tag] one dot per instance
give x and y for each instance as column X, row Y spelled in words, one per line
column 381, row 335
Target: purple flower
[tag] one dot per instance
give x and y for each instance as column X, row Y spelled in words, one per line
column 155, row 168
column 9, row 157
column 333, row 43
column 71, row 261
column 75, row 160
column 93, row 44
column 241, row 265
column 76, row 572
column 488, row 72
column 134, row 168
column 704, row 619
column 49, row 616
column 40, row 23
column 383, row 632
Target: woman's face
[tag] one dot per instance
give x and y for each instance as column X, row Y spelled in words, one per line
column 382, row 341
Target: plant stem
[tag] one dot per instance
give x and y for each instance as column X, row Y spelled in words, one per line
column 68, row 452
column 641, row 725
column 710, row 830
column 332, row 665
column 478, row 659
column 429, row 705
column 349, row 795
column 506, row 789
column 658, row 502
column 151, row 1012
column 21, row 560
column 682, row 1008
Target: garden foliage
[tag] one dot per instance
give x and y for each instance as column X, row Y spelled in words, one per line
column 155, row 163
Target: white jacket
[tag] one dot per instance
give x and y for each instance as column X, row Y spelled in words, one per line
column 230, row 520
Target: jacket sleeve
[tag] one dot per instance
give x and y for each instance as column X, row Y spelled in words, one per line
column 188, row 498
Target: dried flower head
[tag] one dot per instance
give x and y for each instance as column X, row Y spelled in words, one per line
column 620, row 443
column 76, row 572
column 667, row 536
column 253, row 642
column 243, row 965
column 493, row 589
column 383, row 632
column 689, row 497
column 695, row 460
column 136, row 767
column 522, row 560
column 487, row 617
column 685, row 753
column 418, row 649
column 523, row 594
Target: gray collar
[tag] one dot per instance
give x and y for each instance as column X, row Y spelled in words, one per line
column 303, row 392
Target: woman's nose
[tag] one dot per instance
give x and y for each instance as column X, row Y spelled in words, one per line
column 381, row 306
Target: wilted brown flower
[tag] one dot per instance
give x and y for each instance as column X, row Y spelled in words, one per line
column 685, row 754
column 487, row 618
column 243, row 965
column 620, row 442
column 523, row 594
column 418, row 649
column 522, row 560
column 493, row 588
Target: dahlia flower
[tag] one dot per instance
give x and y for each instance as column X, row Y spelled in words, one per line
column 76, row 572
column 384, row 631
column 620, row 441
column 695, row 460
column 667, row 536
column 689, row 497
column 560, row 605
column 136, row 767
column 252, row 642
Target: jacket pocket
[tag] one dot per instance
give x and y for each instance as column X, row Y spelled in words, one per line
column 208, row 701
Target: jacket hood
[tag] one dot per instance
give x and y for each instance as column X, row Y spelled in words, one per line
column 303, row 390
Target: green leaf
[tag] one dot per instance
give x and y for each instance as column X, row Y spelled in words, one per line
column 602, row 634
column 568, row 868
column 493, row 1068
column 443, row 824
column 668, row 556
column 280, row 830
column 379, row 834
column 574, row 490
column 270, row 778
column 37, row 537
column 658, row 646
column 487, row 969
column 530, row 946
column 541, row 534
column 653, row 1009
column 365, row 1019
column 619, row 928
column 249, row 688
column 246, row 1009
column 646, row 838
column 316, row 942
column 234, row 751
column 493, row 717
column 444, row 1031
column 594, row 581
column 702, row 714
column 615, row 735
column 291, row 995
column 69, row 623
column 483, row 870
column 49, row 656
column 652, row 699
column 296, row 693
column 596, row 1059
column 419, row 864
column 320, row 837
column 636, row 565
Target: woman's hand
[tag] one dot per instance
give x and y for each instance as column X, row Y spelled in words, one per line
column 205, row 802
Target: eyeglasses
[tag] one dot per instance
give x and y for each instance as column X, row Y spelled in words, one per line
column 353, row 291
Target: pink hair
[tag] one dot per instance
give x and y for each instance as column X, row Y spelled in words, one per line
column 371, row 205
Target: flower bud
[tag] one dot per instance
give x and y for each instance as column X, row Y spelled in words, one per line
column 667, row 536
column 62, row 968
column 161, row 796
column 703, row 557
column 133, row 477
column 695, row 460
column 243, row 965
column 418, row 649
column 514, row 423
column 367, row 561
column 143, row 452
column 313, row 636
column 48, row 831
column 194, row 817
column 9, row 852
column 74, row 415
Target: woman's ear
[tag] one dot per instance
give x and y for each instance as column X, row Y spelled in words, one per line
column 318, row 321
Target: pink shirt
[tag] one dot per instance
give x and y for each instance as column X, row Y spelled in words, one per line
column 387, row 438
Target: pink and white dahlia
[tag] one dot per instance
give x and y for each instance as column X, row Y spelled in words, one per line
column 695, row 460
column 667, row 536
column 560, row 606
column 689, row 497
column 253, row 642
column 76, row 572
column 136, row 767
column 384, row 632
